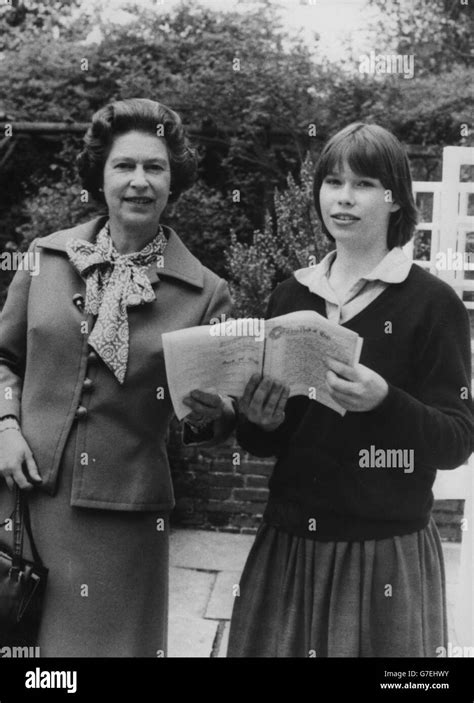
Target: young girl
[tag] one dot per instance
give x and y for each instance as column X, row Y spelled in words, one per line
column 348, row 560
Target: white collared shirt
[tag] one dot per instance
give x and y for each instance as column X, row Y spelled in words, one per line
column 394, row 268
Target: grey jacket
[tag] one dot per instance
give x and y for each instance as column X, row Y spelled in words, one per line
column 52, row 380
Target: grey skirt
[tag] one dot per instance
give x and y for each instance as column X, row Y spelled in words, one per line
column 107, row 593
column 378, row 598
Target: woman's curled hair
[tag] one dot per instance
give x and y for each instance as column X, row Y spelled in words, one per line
column 142, row 115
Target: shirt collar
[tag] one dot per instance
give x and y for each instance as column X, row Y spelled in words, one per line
column 394, row 268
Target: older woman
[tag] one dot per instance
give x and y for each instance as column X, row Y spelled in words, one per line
column 84, row 403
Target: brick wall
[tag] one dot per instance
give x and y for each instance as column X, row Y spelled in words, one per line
column 221, row 488
column 225, row 488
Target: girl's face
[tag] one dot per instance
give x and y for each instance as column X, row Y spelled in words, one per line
column 355, row 208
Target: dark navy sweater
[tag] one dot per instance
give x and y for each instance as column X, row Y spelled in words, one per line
column 318, row 488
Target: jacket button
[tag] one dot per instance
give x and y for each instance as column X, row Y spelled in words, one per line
column 92, row 357
column 87, row 384
column 80, row 413
column 78, row 301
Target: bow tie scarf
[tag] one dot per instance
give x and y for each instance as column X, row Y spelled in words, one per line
column 114, row 282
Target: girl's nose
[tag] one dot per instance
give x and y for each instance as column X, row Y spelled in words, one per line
column 346, row 194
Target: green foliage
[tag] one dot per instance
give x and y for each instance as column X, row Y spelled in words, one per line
column 203, row 218
column 32, row 19
column 292, row 239
column 54, row 207
column 55, row 202
column 250, row 125
column 247, row 124
column 437, row 32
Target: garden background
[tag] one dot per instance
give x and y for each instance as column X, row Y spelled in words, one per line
column 259, row 101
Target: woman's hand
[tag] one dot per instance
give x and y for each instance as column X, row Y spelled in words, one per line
column 209, row 406
column 14, row 454
column 263, row 402
column 206, row 406
column 356, row 388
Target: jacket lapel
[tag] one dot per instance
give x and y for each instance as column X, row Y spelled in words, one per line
column 178, row 262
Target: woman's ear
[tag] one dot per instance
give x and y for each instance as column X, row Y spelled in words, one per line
column 394, row 207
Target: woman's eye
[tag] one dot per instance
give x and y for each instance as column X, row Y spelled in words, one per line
column 123, row 165
column 365, row 184
column 156, row 167
column 330, row 180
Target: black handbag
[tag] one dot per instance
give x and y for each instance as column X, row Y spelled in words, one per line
column 22, row 582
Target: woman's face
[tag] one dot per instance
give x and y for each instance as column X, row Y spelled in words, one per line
column 356, row 208
column 137, row 179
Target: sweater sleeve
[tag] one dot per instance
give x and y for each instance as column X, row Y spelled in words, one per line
column 439, row 421
column 13, row 333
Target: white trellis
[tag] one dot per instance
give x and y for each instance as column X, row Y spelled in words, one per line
column 448, row 225
column 448, row 206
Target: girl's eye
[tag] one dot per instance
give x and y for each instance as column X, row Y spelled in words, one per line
column 365, row 184
column 331, row 180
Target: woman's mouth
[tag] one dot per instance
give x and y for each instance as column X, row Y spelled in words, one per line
column 139, row 201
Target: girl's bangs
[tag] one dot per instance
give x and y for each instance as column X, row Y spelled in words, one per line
column 363, row 156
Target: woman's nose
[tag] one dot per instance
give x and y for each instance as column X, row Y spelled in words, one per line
column 138, row 177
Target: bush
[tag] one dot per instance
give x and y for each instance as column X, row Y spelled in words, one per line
column 292, row 239
column 204, row 218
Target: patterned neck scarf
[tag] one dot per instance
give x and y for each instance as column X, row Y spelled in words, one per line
column 114, row 282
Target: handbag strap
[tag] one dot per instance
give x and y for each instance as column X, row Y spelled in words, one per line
column 22, row 519
column 17, row 529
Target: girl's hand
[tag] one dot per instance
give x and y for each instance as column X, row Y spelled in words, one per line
column 206, row 406
column 14, row 453
column 358, row 388
column 263, row 402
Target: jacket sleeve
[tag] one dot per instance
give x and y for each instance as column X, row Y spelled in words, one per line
column 439, row 422
column 13, row 335
column 220, row 304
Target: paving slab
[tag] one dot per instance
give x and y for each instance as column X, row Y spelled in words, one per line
column 190, row 591
column 213, row 551
column 452, row 561
column 190, row 636
column 223, row 595
column 224, row 642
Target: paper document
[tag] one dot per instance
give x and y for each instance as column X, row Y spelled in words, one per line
column 290, row 348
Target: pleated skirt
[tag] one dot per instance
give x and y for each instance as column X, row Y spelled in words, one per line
column 107, row 591
column 377, row 598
